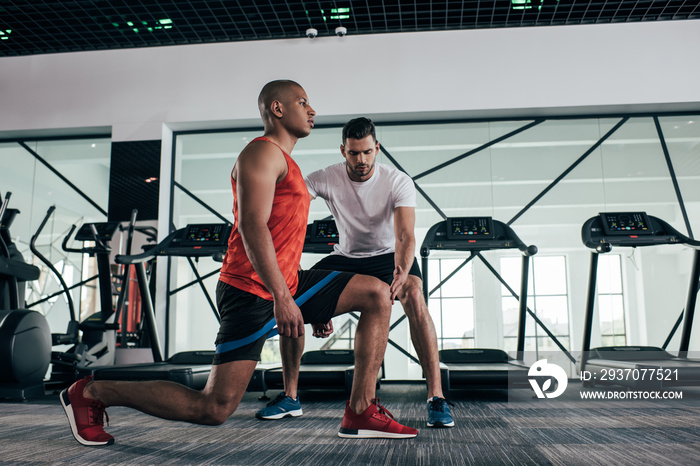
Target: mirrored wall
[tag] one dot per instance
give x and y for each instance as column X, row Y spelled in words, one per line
column 73, row 176
column 543, row 177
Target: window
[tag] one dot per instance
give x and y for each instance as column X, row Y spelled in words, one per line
column 611, row 309
column 452, row 305
column 547, row 297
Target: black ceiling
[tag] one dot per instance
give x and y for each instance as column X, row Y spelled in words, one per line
column 38, row 27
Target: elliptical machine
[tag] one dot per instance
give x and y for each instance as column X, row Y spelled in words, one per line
column 25, row 337
column 93, row 340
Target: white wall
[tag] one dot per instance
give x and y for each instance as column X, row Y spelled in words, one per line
column 506, row 72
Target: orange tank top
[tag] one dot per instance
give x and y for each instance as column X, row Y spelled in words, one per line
column 287, row 224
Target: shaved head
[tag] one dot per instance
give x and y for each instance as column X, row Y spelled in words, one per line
column 274, row 90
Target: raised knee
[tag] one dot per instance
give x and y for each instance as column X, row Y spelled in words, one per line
column 380, row 295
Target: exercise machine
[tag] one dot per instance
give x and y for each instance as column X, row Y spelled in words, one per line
column 645, row 367
column 190, row 368
column 480, row 368
column 25, row 337
column 93, row 340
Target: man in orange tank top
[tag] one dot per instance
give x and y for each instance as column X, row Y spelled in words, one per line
column 260, row 280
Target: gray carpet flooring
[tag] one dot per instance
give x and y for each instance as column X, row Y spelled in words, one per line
column 493, row 428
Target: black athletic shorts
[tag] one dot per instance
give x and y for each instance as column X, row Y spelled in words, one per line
column 381, row 266
column 243, row 313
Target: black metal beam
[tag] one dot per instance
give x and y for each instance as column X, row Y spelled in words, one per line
column 672, row 172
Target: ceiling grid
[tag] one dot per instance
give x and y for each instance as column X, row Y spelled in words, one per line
column 29, row 27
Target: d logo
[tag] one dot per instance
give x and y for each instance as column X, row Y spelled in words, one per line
column 543, row 372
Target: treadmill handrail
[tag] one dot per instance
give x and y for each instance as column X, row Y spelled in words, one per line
column 147, row 255
column 161, row 249
column 99, row 247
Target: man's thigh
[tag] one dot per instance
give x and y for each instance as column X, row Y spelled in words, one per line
column 381, row 267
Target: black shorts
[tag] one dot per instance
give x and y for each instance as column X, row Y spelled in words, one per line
column 243, row 313
column 381, row 266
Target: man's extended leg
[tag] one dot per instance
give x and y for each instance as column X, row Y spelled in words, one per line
column 424, row 340
column 85, row 401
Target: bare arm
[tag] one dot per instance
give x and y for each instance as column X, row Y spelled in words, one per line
column 258, row 169
column 404, row 223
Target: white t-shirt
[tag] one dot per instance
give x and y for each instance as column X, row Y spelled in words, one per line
column 363, row 210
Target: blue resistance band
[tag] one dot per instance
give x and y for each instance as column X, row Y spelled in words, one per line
column 270, row 328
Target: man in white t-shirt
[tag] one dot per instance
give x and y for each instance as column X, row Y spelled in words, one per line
column 374, row 209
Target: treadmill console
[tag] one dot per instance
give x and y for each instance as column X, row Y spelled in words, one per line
column 206, row 233
column 105, row 231
column 197, row 240
column 629, row 229
column 323, row 231
column 472, row 234
column 320, row 237
column 626, row 223
column 466, row 228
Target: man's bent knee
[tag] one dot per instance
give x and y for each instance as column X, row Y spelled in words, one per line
column 216, row 412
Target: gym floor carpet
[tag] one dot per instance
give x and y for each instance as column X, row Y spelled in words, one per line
column 493, row 428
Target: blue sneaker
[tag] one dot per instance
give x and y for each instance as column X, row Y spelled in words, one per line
column 439, row 413
column 280, row 407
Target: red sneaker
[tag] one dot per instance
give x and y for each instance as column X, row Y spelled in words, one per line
column 375, row 422
column 85, row 415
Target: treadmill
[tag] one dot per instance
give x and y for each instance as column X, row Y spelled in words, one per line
column 646, row 367
column 190, row 368
column 480, row 368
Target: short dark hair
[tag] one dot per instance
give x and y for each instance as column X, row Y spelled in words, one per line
column 274, row 91
column 359, row 128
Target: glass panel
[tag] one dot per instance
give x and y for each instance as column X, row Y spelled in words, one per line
column 609, row 274
column 434, row 276
column 510, row 345
column 547, row 344
column 549, row 275
column 682, row 135
column 455, row 343
column 511, row 272
column 553, row 312
column 605, row 306
column 635, row 171
column 547, row 149
column 460, row 284
column 510, row 316
column 434, row 305
column 35, row 188
column 618, row 314
column 458, row 318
